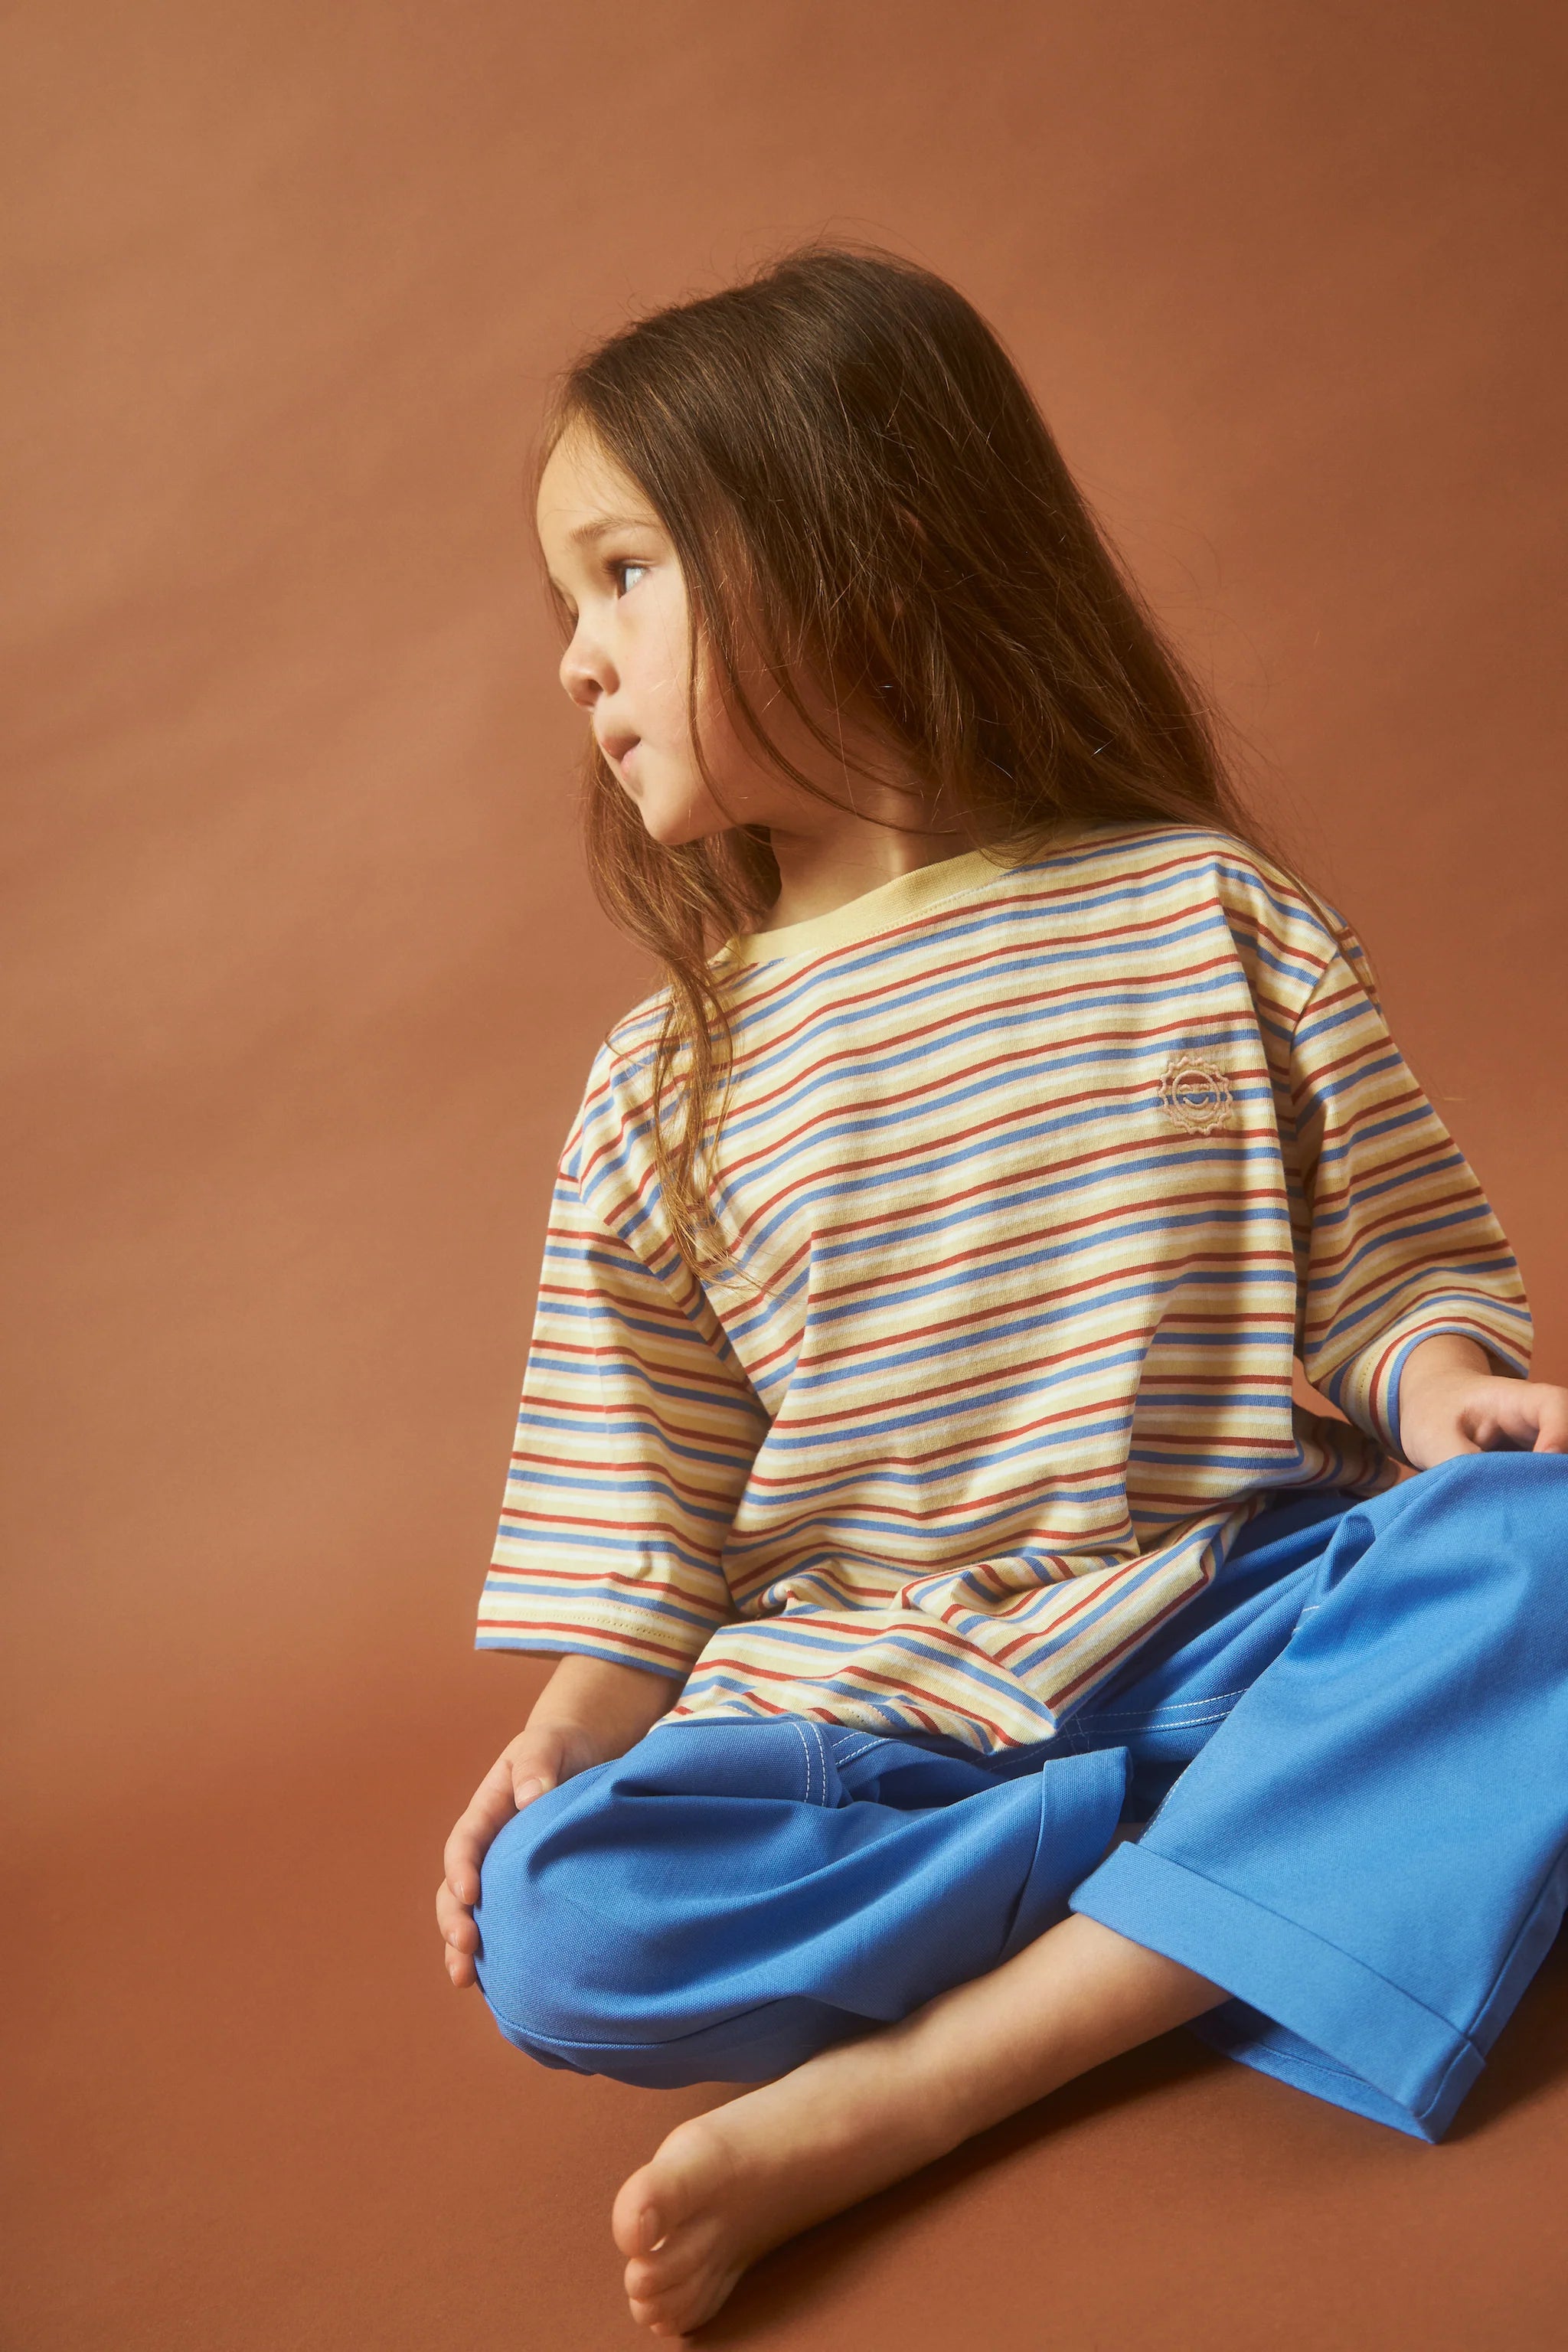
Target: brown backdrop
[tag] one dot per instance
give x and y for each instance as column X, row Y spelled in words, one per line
column 306, row 979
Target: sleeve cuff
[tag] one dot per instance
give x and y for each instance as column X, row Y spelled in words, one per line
column 519, row 1611
column 1366, row 1387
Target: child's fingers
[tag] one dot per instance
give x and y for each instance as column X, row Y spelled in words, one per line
column 1529, row 1412
column 519, row 1774
column 491, row 1806
column 459, row 1935
column 462, row 1944
column 1551, row 1431
column 456, row 1921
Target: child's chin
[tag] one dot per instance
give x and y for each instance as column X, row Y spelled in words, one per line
column 673, row 831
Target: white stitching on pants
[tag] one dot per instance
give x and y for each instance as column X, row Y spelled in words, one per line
column 822, row 1756
column 1173, row 1710
column 1126, row 1725
column 805, row 1744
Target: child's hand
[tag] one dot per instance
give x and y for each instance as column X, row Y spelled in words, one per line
column 538, row 1759
column 588, row 1711
column 1457, row 1404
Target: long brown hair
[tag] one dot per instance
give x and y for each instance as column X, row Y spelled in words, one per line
column 860, row 490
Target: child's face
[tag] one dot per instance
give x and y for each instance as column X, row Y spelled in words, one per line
column 628, row 664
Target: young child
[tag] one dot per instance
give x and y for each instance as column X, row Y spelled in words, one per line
column 973, row 1661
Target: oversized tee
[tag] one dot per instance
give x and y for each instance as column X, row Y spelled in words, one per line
column 1039, row 1175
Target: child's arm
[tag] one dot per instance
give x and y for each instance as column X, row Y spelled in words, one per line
column 1451, row 1402
column 588, row 1711
column 1404, row 1267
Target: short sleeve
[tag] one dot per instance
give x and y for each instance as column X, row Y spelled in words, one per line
column 635, row 1436
column 1401, row 1241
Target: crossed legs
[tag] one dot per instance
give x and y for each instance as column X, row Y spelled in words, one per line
column 1374, row 1881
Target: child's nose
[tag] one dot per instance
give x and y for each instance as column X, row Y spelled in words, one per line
column 586, row 671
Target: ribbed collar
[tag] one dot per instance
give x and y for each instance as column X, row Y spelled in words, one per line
column 890, row 904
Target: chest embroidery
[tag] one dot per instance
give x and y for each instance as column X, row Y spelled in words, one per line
column 1194, row 1094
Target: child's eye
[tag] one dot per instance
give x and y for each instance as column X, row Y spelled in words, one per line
column 620, row 570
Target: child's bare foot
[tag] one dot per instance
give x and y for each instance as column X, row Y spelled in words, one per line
column 725, row 2187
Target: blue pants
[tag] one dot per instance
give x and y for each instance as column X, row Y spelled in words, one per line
column 1354, row 1746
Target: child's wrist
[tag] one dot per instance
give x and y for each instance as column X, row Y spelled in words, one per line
column 1445, row 1382
column 1441, row 1368
column 602, row 1705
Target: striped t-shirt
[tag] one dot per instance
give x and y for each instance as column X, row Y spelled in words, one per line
column 1040, row 1175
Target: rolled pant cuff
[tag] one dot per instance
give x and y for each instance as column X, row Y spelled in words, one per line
column 1323, row 2019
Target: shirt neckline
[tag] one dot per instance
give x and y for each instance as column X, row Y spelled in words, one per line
column 905, row 896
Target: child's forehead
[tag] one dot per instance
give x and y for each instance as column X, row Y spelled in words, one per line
column 582, row 491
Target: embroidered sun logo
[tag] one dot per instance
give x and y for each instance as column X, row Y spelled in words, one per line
column 1194, row 1094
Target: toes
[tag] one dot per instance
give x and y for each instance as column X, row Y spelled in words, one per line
column 647, row 2277
column 682, row 2308
column 636, row 2224
column 650, row 2315
column 678, row 2181
column 669, row 2218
